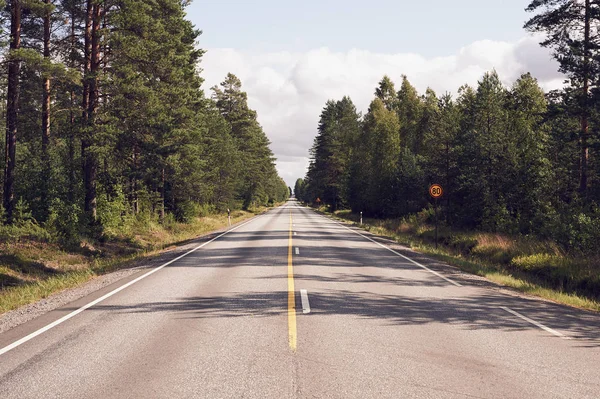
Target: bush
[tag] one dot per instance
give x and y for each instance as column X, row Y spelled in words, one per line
column 187, row 211
column 585, row 232
column 169, row 222
column 63, row 222
column 493, row 254
column 464, row 245
column 111, row 213
column 535, row 262
column 22, row 214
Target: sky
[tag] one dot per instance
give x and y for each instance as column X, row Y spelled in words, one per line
column 294, row 56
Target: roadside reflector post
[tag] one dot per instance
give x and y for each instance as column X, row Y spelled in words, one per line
column 436, row 191
column 361, row 218
column 229, row 216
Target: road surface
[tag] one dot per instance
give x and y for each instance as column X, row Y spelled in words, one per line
column 295, row 305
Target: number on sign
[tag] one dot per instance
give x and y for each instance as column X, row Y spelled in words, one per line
column 436, row 191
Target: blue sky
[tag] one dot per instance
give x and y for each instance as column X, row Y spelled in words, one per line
column 294, row 56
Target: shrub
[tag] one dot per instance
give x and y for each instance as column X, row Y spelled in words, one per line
column 463, row 244
column 22, row 214
column 111, row 212
column 585, row 232
column 535, row 262
column 186, row 211
column 63, row 222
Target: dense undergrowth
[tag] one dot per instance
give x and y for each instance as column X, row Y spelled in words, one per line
column 529, row 264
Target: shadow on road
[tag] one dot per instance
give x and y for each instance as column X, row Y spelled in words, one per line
column 471, row 313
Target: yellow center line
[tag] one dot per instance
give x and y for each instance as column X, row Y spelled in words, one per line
column 292, row 335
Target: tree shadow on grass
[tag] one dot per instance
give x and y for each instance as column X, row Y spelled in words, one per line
column 7, row 280
column 26, row 266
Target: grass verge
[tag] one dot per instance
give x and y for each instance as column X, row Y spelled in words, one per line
column 525, row 264
column 32, row 268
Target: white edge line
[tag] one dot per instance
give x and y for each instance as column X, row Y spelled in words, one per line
column 399, row 254
column 535, row 323
column 305, row 303
column 113, row 292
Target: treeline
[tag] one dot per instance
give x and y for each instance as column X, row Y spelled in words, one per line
column 106, row 118
column 508, row 159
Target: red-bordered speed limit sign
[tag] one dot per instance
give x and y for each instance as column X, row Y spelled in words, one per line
column 436, row 191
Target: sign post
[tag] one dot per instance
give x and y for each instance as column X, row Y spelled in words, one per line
column 436, row 191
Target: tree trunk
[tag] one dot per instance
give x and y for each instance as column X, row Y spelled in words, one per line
column 12, row 104
column 134, row 184
column 583, row 136
column 162, row 195
column 92, row 49
column 71, row 194
column 46, row 167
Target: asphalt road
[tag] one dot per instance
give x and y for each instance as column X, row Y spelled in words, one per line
column 232, row 320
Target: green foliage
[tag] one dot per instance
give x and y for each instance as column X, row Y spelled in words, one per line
column 159, row 149
column 300, row 189
column 187, row 211
column 63, row 222
column 22, row 214
column 506, row 157
column 328, row 176
column 112, row 211
column 537, row 262
column 584, row 231
column 254, row 180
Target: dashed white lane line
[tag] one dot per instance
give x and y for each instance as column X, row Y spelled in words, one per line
column 305, row 303
column 402, row 256
column 535, row 323
column 297, row 251
column 527, row 319
column 295, row 233
column 113, row 292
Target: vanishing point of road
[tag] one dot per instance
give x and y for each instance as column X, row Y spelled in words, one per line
column 292, row 304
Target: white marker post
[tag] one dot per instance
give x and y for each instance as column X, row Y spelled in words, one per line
column 361, row 218
column 229, row 216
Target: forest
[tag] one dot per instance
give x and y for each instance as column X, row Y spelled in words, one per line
column 511, row 159
column 106, row 121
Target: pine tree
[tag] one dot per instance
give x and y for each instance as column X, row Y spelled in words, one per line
column 387, row 93
column 299, row 188
column 409, row 113
column 252, row 142
column 529, row 189
column 576, row 45
column 322, row 172
column 347, row 146
column 12, row 95
column 381, row 128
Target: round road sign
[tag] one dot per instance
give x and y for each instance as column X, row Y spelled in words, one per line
column 436, row 191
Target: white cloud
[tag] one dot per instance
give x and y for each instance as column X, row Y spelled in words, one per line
column 288, row 90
